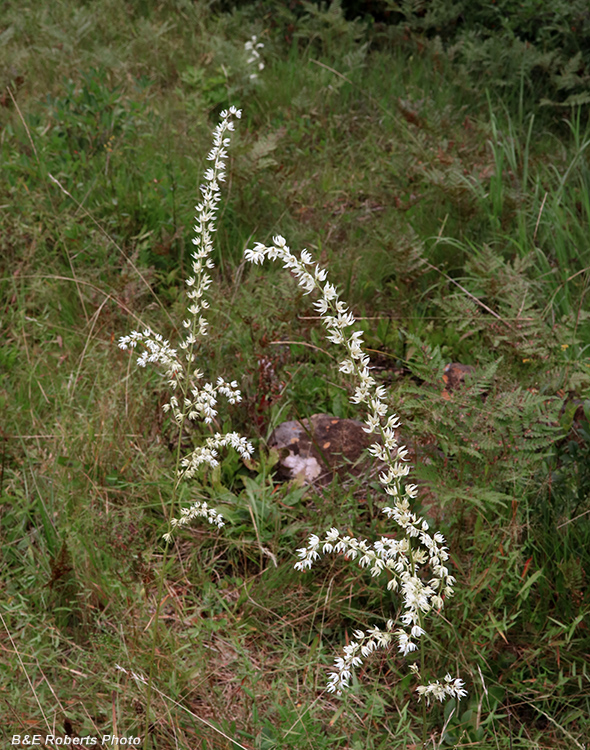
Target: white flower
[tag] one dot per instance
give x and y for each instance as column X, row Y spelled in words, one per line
column 196, row 401
column 451, row 688
column 252, row 46
column 405, row 557
column 197, row 510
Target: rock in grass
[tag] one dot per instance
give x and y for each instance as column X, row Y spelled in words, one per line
column 315, row 449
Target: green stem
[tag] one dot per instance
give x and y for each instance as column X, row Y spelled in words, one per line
column 161, row 586
column 423, row 701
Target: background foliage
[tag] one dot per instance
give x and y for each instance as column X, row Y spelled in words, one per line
column 434, row 157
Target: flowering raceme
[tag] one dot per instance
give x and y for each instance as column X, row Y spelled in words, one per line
column 252, row 46
column 408, row 560
column 192, row 398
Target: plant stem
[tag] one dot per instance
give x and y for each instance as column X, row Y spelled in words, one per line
column 161, row 583
column 423, row 701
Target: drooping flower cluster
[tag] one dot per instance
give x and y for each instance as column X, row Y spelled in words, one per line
column 354, row 653
column 197, row 510
column 207, row 453
column 403, row 560
column 196, row 400
column 450, row 688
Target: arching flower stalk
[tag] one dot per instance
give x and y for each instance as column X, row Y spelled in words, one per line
column 193, row 399
column 415, row 562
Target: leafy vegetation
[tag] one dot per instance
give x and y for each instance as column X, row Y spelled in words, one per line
column 450, row 203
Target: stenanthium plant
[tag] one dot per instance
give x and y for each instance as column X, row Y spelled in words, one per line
column 193, row 399
column 415, row 561
column 416, row 554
